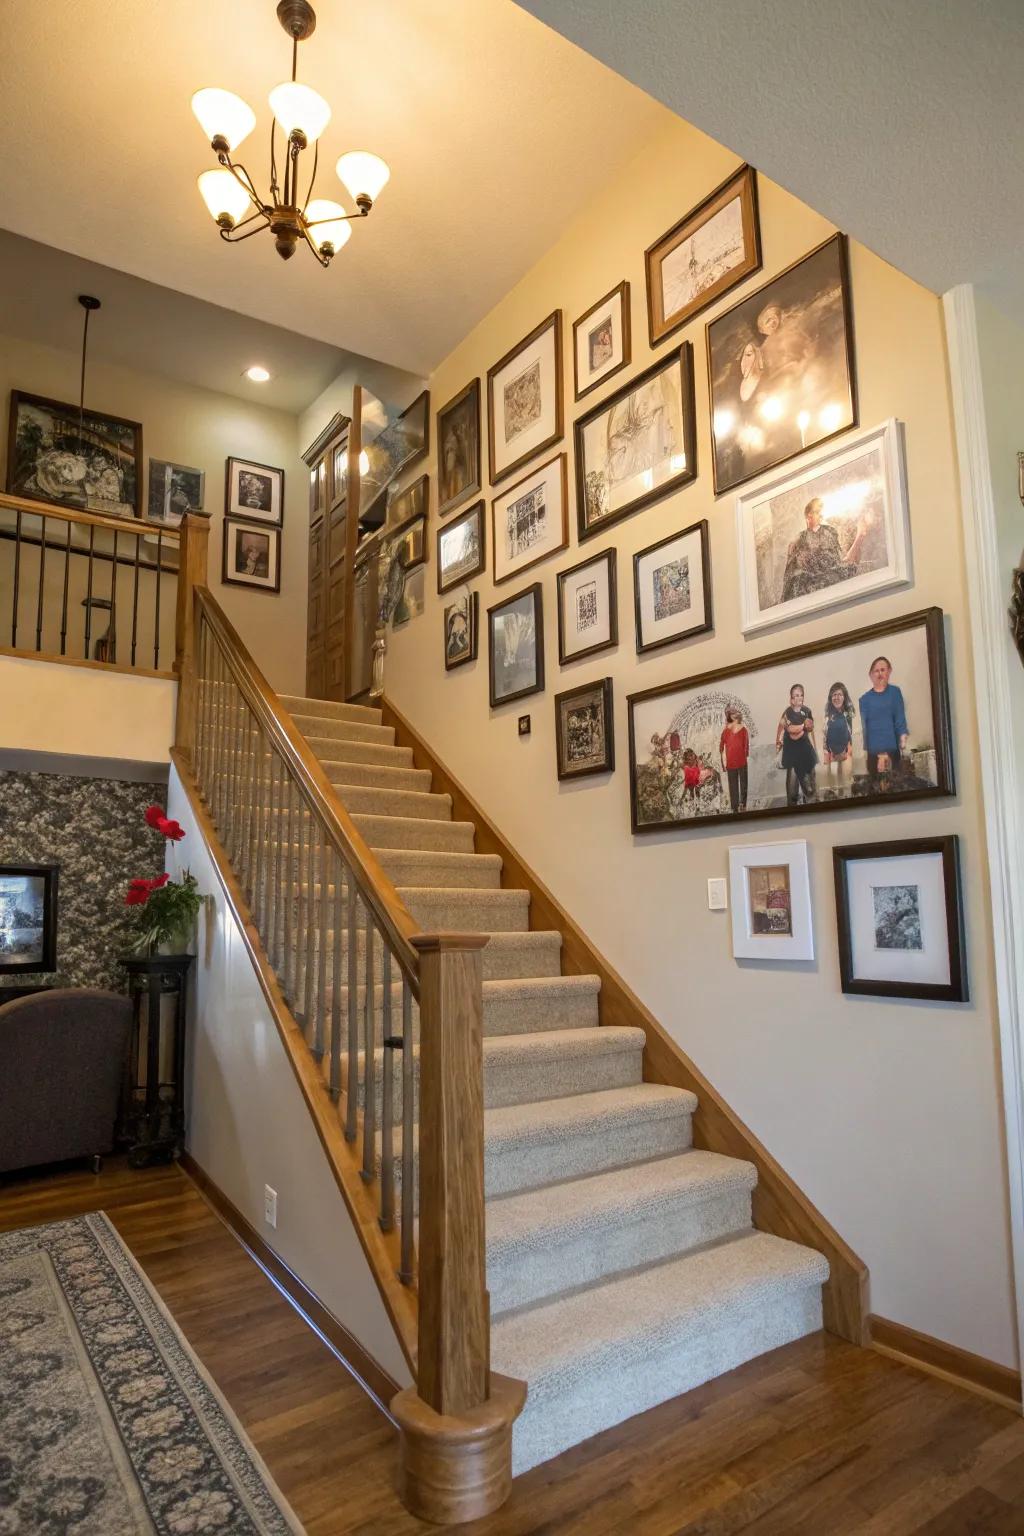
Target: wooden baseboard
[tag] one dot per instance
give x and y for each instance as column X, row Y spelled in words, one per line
column 371, row 1376
column 986, row 1377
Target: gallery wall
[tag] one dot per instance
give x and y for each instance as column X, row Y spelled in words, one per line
column 886, row 1112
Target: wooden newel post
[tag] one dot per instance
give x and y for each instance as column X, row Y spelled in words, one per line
column 457, row 1421
column 194, row 538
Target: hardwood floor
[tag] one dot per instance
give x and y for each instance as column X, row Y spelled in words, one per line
column 817, row 1439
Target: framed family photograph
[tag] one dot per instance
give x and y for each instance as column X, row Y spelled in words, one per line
column 530, row 521
column 584, row 730
column 825, row 534
column 93, row 464
column 780, row 367
column 252, row 556
column 458, row 449
column 28, row 918
column 857, row 719
column 600, row 341
column 672, row 588
column 401, row 443
column 460, row 630
column 712, row 248
column 254, row 492
column 174, row 489
column 588, row 612
column 637, row 446
column 524, row 399
column 770, row 897
column 461, row 548
column 516, row 646
column 899, row 911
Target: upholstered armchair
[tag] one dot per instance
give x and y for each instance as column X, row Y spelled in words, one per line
column 62, row 1057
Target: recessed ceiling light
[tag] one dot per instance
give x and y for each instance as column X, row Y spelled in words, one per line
column 258, row 374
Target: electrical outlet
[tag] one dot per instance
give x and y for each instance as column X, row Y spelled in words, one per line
column 269, row 1206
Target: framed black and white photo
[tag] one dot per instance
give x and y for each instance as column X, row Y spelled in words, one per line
column 672, row 588
column 254, row 492
column 461, row 548
column 588, row 614
column 174, row 489
column 530, row 521
column 458, row 449
column 600, row 341
column 584, row 730
column 770, row 897
column 780, row 367
column 858, row 719
column 460, row 630
column 516, row 646
column 826, row 533
column 28, row 918
column 252, row 556
column 711, row 249
column 637, row 446
column 899, row 912
column 400, row 444
column 93, row 464
column 524, row 399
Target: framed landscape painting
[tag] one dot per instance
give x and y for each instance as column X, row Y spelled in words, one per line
column 637, row 446
column 858, row 719
column 94, row 465
column 530, row 521
column 254, row 492
column 588, row 617
column 524, row 399
column 781, row 369
column 584, row 730
column 712, row 248
column 458, row 448
column 672, row 588
column 600, row 341
column 516, row 649
column 461, row 548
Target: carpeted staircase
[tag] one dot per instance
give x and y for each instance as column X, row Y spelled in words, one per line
column 622, row 1264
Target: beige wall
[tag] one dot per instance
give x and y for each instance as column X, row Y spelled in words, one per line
column 85, row 711
column 887, row 1113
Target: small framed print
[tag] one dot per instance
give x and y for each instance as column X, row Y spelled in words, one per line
column 588, row 616
column 516, row 646
column 255, row 492
column 770, row 897
column 584, row 730
column 412, row 502
column 672, row 588
column 524, row 399
column 600, row 341
column 252, row 556
column 460, row 630
column 899, row 912
column 409, row 542
column 458, row 449
column 461, row 548
column 530, row 521
column 712, row 248
column 174, row 489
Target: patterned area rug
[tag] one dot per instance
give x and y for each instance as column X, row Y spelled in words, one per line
column 109, row 1426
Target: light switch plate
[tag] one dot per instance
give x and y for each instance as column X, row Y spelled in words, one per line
column 718, row 895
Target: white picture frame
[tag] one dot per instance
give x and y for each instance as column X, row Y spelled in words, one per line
column 866, row 479
column 763, row 877
column 530, row 521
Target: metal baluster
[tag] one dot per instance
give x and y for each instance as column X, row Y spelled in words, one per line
column 369, row 1059
column 64, row 604
column 156, row 610
column 309, row 974
column 218, row 761
column 259, row 874
column 337, row 964
column 135, row 599
column 17, row 578
column 405, row 1274
column 42, row 578
column 324, row 924
column 302, row 860
column 283, row 860
column 352, row 977
column 112, row 626
column 273, row 858
column 387, row 1116
column 289, row 892
column 88, row 591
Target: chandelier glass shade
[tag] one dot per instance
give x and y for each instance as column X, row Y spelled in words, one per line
column 290, row 211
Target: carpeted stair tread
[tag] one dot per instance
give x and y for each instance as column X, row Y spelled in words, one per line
column 413, row 832
column 331, row 709
column 523, row 1005
column 504, row 955
column 375, row 775
column 439, row 908
column 364, row 801
column 322, row 726
column 343, row 751
column 431, row 866
column 556, row 1120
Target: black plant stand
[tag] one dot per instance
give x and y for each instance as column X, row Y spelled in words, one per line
column 153, row 1111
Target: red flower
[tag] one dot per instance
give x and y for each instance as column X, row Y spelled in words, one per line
column 154, row 885
column 154, row 816
column 172, row 830
column 139, row 891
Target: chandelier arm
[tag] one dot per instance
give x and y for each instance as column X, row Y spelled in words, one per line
column 234, row 238
column 275, row 190
column 324, row 261
column 243, row 178
column 312, row 179
column 336, row 218
column 260, row 213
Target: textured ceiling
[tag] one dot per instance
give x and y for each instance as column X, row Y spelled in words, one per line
column 496, row 130
column 903, row 123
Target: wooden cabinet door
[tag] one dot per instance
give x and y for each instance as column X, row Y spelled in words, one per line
column 315, row 614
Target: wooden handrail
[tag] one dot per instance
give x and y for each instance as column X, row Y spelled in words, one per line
column 128, row 525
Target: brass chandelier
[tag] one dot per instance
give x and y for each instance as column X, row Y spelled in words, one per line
column 302, row 115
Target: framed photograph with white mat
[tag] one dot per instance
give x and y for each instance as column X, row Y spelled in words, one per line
column 672, row 588
column 899, row 911
column 524, row 399
column 600, row 341
column 530, row 521
column 770, row 894
column 588, row 617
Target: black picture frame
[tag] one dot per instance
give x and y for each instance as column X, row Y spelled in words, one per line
column 473, row 613
column 476, row 513
column 601, row 689
column 931, row 620
column 708, row 623
column 956, row 990
column 240, row 512
column 229, row 575
column 609, row 557
column 50, row 875
column 536, row 594
column 552, row 322
column 19, row 484
column 681, row 358
column 468, row 401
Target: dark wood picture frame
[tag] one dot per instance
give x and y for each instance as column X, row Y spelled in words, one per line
column 551, row 322
column 742, row 183
column 272, row 531
column 622, row 289
column 21, row 397
column 681, row 359
column 930, row 619
column 247, row 515
column 537, row 686
column 608, row 555
column 607, row 765
column 474, row 634
column 415, row 496
column 50, row 874
column 703, row 528
column 478, row 511
column 402, row 529
column 470, row 391
column 842, row 246
column 560, row 459
column 956, row 990
column 370, row 491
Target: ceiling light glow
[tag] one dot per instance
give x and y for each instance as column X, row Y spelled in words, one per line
column 258, row 374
